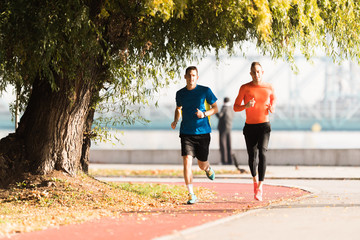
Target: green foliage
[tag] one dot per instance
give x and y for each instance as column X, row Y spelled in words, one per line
column 130, row 49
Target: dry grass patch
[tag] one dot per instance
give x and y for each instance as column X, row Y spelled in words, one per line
column 40, row 202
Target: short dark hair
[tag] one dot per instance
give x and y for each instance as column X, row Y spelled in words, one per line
column 189, row 69
column 253, row 64
column 226, row 99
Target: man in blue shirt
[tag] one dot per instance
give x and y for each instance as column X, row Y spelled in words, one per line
column 193, row 104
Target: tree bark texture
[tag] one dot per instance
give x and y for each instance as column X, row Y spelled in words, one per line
column 51, row 133
column 53, row 124
column 85, row 152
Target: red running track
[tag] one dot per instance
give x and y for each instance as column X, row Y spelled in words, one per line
column 232, row 198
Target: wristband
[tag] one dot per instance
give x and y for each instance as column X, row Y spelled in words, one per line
column 204, row 114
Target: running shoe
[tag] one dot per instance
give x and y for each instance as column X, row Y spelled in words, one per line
column 192, row 198
column 258, row 195
column 210, row 174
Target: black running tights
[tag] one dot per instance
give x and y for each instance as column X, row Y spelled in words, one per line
column 257, row 138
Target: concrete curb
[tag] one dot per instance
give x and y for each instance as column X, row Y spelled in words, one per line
column 278, row 157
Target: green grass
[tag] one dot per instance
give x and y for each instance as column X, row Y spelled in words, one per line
column 161, row 192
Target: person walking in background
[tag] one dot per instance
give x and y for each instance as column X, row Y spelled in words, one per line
column 259, row 99
column 191, row 104
column 225, row 116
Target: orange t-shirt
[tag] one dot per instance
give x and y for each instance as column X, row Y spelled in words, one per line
column 263, row 95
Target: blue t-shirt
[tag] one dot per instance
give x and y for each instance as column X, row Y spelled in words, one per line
column 190, row 100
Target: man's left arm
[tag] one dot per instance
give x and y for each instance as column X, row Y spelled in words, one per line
column 272, row 101
column 210, row 97
column 207, row 113
column 213, row 110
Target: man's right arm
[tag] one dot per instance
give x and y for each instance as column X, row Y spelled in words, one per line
column 176, row 117
column 239, row 99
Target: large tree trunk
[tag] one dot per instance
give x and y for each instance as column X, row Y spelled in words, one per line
column 53, row 124
column 51, row 133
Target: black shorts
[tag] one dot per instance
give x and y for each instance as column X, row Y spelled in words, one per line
column 196, row 146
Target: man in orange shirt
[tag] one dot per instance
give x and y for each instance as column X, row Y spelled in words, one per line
column 259, row 99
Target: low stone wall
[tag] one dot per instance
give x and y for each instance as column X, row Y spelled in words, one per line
column 305, row 157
